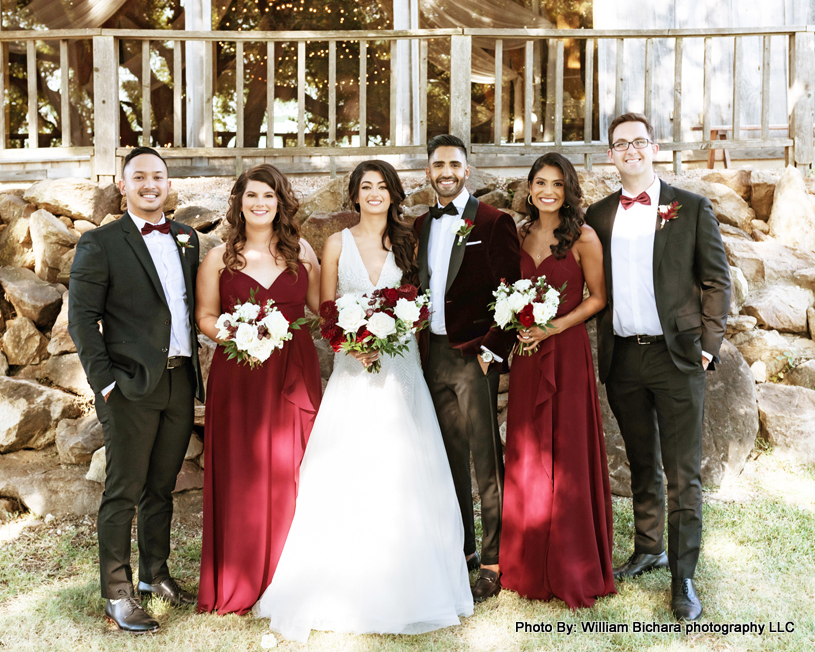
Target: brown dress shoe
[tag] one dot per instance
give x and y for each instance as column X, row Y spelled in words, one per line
column 127, row 614
column 487, row 585
column 168, row 590
column 474, row 562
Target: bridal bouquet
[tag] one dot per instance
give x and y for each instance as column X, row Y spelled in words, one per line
column 383, row 321
column 526, row 303
column 252, row 331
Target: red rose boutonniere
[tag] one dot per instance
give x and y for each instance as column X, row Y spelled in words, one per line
column 462, row 228
column 183, row 241
column 668, row 212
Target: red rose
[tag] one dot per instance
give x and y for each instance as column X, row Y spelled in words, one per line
column 526, row 317
column 336, row 341
column 328, row 309
column 424, row 313
column 390, row 296
column 468, row 223
column 409, row 292
column 362, row 333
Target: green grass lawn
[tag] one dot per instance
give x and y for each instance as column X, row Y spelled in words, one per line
column 757, row 566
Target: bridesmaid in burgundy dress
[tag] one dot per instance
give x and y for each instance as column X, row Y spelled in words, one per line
column 556, row 539
column 257, row 420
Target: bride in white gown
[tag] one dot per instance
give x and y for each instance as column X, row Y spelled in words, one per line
column 376, row 545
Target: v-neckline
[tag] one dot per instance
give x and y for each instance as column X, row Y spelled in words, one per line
column 265, row 288
column 359, row 257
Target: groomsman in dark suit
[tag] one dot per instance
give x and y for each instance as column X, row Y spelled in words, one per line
column 462, row 264
column 136, row 278
column 669, row 291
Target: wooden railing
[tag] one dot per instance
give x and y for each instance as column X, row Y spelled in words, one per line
column 105, row 153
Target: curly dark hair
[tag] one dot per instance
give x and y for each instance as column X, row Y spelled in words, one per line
column 285, row 226
column 397, row 230
column 571, row 214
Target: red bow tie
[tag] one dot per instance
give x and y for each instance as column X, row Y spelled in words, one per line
column 642, row 198
column 161, row 228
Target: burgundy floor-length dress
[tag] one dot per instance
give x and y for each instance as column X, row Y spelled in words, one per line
column 557, row 521
column 257, row 424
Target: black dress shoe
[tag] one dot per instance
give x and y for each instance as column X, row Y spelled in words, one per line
column 684, row 602
column 168, row 590
column 127, row 614
column 474, row 562
column 487, row 585
column 639, row 563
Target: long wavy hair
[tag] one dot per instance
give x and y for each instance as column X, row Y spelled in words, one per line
column 571, row 214
column 397, row 230
column 284, row 226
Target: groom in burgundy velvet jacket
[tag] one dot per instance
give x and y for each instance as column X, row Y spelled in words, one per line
column 465, row 249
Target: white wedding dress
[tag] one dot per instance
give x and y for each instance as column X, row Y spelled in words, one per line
column 376, row 545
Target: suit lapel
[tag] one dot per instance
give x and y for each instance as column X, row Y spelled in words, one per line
column 666, row 196
column 185, row 257
column 457, row 253
column 136, row 242
column 608, row 216
column 424, row 240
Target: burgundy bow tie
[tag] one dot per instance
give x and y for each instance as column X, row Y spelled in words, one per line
column 642, row 198
column 164, row 227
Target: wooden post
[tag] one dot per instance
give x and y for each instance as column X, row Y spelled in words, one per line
column 239, row 141
column 499, row 69
column 301, row 93
column 394, row 83
column 64, row 92
column 588, row 113
column 708, row 85
column 33, row 113
column 178, row 86
column 765, row 90
column 559, row 94
column 270, row 68
column 528, row 90
column 649, row 79
column 146, row 123
column 801, row 123
column 4, row 108
column 423, row 92
column 738, row 62
column 332, row 104
column 619, row 89
column 677, row 126
column 105, row 107
column 363, row 93
column 460, row 88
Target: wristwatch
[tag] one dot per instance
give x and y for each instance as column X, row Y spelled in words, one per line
column 487, row 356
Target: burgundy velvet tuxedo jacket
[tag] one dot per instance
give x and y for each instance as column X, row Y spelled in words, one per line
column 691, row 279
column 490, row 253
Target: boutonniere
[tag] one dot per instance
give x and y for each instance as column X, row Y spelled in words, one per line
column 462, row 228
column 183, row 242
column 668, row 212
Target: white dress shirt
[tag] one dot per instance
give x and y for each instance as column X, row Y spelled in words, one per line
column 167, row 260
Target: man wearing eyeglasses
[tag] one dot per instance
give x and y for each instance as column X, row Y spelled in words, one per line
column 668, row 285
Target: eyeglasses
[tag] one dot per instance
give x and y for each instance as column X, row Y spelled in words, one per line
column 639, row 143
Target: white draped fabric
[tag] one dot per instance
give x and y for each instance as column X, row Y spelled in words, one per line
column 73, row 14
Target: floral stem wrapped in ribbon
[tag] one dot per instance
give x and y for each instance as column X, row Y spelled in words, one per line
column 383, row 321
column 252, row 331
column 526, row 303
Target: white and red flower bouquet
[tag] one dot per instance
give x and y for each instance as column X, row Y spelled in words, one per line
column 383, row 321
column 526, row 303
column 252, row 331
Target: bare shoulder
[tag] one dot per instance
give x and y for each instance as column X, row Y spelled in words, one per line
column 588, row 240
column 332, row 246
column 306, row 250
column 214, row 260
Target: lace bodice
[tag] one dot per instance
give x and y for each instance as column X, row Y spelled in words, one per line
column 352, row 275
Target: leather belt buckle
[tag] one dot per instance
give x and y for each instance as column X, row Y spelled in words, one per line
column 175, row 361
column 643, row 339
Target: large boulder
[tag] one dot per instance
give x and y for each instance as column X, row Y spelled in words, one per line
column 65, row 264
column 728, row 207
column 792, row 220
column 191, row 476
column 320, row 226
column 78, row 199
column 772, row 348
column 802, row 375
column 594, row 187
column 196, row 217
column 15, row 244
column 66, row 371
column 731, row 418
column 768, row 262
column 496, row 199
column 424, row 196
column 740, row 288
column 51, row 240
column 480, row 182
column 78, row 439
column 61, row 341
column 207, row 242
column 23, row 343
column 4, row 367
column 788, row 420
column 762, row 191
column 97, row 470
column 12, row 207
column 31, row 297
column 740, row 324
column 331, row 198
column 29, row 414
column 737, row 180
column 36, row 479
column 780, row 307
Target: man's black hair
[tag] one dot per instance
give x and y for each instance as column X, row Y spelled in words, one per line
column 445, row 140
column 138, row 151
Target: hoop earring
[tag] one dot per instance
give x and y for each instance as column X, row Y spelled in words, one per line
column 241, row 218
column 529, row 200
column 565, row 205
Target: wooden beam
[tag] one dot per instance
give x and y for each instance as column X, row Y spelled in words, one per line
column 105, row 107
column 765, row 89
column 178, row 94
column 393, row 96
column 708, row 85
column 363, row 93
column 559, row 94
column 270, row 74
column 619, row 87
column 738, row 64
column 499, row 81
column 423, row 92
column 802, row 96
column 460, row 87
column 649, row 79
column 677, row 125
column 529, row 63
column 64, row 93
column 239, row 74
column 146, row 121
column 588, row 113
column 332, row 93
column 301, row 93
column 5, row 105
column 33, row 112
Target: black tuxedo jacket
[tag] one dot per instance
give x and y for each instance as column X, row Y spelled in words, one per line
column 114, row 283
column 490, row 253
column 691, row 279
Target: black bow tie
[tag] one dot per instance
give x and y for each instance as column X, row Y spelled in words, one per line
column 436, row 212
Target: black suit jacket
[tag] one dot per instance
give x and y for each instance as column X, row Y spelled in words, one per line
column 691, row 279
column 490, row 253
column 114, row 283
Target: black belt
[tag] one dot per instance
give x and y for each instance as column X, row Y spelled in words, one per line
column 642, row 339
column 176, row 361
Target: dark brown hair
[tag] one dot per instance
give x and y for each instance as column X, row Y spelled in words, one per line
column 445, row 140
column 630, row 117
column 285, row 227
column 571, row 214
column 397, row 230
column 138, row 151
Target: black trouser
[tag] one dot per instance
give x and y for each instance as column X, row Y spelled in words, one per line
column 465, row 402
column 660, row 412
column 145, row 443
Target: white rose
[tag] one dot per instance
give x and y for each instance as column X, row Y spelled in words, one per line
column 245, row 337
column 347, row 300
column 503, row 314
column 183, row 238
column 262, row 349
column 407, row 311
column 543, row 312
column 223, row 320
column 381, row 325
column 517, row 301
column 351, row 317
column 247, row 311
column 552, row 295
column 457, row 224
column 522, row 285
column 277, row 324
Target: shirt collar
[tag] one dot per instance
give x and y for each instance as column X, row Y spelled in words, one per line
column 139, row 222
column 652, row 190
column 460, row 200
